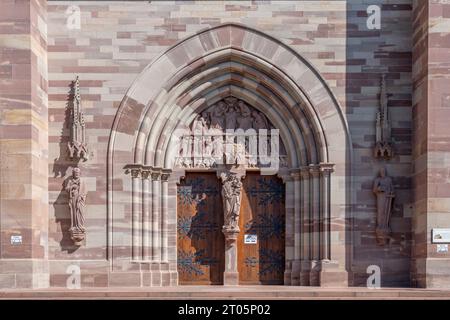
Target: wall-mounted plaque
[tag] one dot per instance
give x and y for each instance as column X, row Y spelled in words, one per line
column 441, row 248
column 15, row 240
column 440, row 235
column 250, row 239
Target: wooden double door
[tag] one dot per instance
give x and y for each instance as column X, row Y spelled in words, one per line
column 201, row 243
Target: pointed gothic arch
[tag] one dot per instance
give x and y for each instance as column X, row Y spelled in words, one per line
column 230, row 60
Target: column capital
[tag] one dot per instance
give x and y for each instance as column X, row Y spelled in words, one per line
column 133, row 169
column 326, row 167
column 314, row 170
column 296, row 173
column 146, row 172
column 156, row 173
column 165, row 174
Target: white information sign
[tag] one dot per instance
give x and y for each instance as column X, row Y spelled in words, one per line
column 16, row 240
column 250, row 239
column 440, row 235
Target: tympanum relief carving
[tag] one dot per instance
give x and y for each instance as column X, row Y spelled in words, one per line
column 230, row 132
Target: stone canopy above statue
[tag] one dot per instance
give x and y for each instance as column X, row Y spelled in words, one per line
column 230, row 132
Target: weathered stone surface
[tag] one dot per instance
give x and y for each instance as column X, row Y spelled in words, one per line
column 128, row 64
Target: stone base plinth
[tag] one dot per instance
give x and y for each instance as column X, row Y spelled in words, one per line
column 24, row 274
column 329, row 274
column 231, row 278
column 295, row 273
column 305, row 268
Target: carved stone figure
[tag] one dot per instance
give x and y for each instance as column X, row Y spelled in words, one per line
column 217, row 149
column 208, row 144
column 199, row 129
column 206, row 120
column 77, row 144
column 76, row 189
column 383, row 145
column 218, row 116
column 244, row 120
column 384, row 191
column 231, row 118
column 207, row 151
column 259, row 121
column 231, row 195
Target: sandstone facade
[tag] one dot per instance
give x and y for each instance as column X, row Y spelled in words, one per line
column 320, row 61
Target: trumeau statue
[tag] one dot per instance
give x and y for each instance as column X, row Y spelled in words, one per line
column 231, row 195
column 384, row 191
column 383, row 145
column 77, row 144
column 76, row 189
column 208, row 144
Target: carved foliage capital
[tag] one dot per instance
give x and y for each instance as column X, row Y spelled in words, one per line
column 146, row 172
column 156, row 174
column 165, row 174
column 314, row 170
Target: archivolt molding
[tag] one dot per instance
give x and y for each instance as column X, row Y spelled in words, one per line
column 248, row 82
column 233, row 60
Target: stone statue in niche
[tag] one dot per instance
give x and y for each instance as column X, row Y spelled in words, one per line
column 77, row 144
column 383, row 145
column 384, row 192
column 77, row 192
column 231, row 195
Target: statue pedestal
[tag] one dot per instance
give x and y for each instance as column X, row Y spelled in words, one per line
column 231, row 274
column 77, row 236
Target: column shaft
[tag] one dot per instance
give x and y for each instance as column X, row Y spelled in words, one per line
column 146, row 217
column 156, row 219
column 136, row 214
column 164, row 217
column 325, row 213
column 315, row 213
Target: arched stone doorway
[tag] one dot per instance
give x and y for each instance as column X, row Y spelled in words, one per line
column 231, row 139
column 229, row 60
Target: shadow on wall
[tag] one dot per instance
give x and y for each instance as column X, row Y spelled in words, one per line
column 60, row 167
column 63, row 162
column 371, row 53
column 62, row 216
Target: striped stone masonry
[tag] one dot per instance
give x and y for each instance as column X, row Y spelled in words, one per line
column 146, row 69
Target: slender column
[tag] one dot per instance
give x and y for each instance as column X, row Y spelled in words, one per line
column 289, row 227
column 296, row 267
column 136, row 213
column 146, row 215
column 315, row 212
column 164, row 214
column 325, row 169
column 315, row 223
column 305, row 228
column 156, row 201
